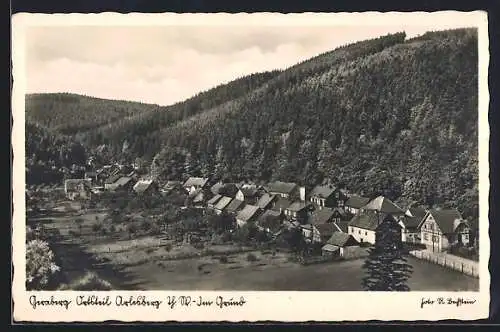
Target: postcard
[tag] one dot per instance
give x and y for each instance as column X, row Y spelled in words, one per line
column 250, row 167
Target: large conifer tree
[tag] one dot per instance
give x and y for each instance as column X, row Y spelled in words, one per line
column 386, row 266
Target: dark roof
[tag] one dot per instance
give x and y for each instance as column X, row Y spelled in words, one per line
column 268, row 214
column 383, row 204
column 216, row 187
column 322, row 191
column 282, row 203
column 197, row 182
column 326, row 230
column 297, row 206
column 113, row 178
column 414, row 217
column 357, row 202
column 214, row 199
column 281, row 187
column 223, row 203
column 321, row 216
column 249, row 192
column 369, row 220
column 265, row 200
column 234, row 205
column 248, row 212
column 446, row 219
column 340, row 239
column 343, row 225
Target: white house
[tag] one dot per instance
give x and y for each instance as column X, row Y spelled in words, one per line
column 442, row 228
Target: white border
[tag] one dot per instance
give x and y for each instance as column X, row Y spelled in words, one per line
column 274, row 306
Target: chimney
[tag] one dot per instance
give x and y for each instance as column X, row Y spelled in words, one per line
column 302, row 191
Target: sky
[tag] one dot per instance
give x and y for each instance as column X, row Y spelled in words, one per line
column 167, row 64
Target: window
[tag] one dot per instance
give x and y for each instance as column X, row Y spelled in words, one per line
column 366, row 233
column 425, row 226
column 341, row 203
column 426, row 236
column 359, row 232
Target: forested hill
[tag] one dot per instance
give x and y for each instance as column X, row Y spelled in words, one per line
column 70, row 113
column 142, row 133
column 384, row 116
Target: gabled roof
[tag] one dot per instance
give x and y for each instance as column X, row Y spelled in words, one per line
column 321, row 216
column 282, row 203
column 357, row 202
column 223, row 203
column 142, row 185
column 445, row 219
column 281, row 187
column 383, row 204
column 340, row 239
column 343, row 225
column 326, row 230
column 249, row 192
column 265, row 200
column 195, row 181
column 234, row 205
column 322, row 191
column 113, row 178
column 297, row 206
column 172, row 184
column 214, row 199
column 369, row 221
column 248, row 212
column 414, row 217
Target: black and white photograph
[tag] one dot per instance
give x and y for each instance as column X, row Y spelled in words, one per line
column 254, row 157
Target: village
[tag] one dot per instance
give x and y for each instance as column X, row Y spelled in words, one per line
column 225, row 220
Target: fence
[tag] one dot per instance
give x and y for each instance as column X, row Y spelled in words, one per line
column 469, row 269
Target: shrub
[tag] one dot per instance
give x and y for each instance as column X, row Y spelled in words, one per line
column 73, row 233
column 251, row 257
column 40, row 265
column 150, row 250
column 223, row 259
column 112, row 228
column 198, row 245
column 168, row 247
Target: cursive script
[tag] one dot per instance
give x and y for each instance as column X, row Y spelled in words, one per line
column 458, row 301
column 52, row 301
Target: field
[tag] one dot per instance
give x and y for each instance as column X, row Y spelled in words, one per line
column 156, row 263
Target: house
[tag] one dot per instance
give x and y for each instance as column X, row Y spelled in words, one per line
column 281, row 204
column 111, row 180
column 222, row 204
column 224, row 189
column 441, row 229
column 270, row 221
column 283, row 189
column 363, row 226
column 249, row 214
column 91, row 175
column 474, row 236
column 249, row 195
column 355, row 203
column 123, row 183
column 337, row 244
column 197, row 197
column 194, row 183
column 212, row 201
column 323, row 216
column 145, row 187
column 413, row 217
column 298, row 211
column 235, row 206
column 78, row 189
column 266, row 201
column 327, row 196
column 384, row 205
column 318, row 233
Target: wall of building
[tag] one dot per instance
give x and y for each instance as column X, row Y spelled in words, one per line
column 362, row 235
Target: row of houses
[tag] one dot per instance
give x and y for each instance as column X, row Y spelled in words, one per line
column 327, row 210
